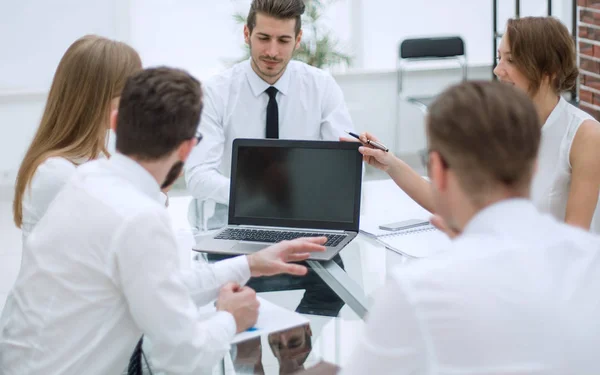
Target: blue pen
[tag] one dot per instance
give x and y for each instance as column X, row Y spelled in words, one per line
column 252, row 329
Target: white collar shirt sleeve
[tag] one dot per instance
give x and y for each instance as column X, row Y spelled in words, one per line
column 158, row 295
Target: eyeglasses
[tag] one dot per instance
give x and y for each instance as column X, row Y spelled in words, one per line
column 198, row 137
column 424, row 155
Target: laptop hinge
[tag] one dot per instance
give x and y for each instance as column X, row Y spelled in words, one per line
column 289, row 229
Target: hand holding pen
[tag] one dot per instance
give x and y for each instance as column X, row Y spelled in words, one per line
column 370, row 140
column 373, row 150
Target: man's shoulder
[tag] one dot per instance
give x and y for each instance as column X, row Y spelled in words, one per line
column 117, row 196
column 226, row 77
column 303, row 69
column 577, row 238
column 476, row 258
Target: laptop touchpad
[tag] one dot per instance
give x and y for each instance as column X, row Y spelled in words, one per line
column 249, row 247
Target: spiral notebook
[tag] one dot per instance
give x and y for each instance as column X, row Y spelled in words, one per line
column 419, row 242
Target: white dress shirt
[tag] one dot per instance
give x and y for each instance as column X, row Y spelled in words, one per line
column 311, row 107
column 99, row 270
column 517, row 293
column 47, row 181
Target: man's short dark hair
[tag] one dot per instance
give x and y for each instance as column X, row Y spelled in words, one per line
column 488, row 133
column 280, row 9
column 159, row 109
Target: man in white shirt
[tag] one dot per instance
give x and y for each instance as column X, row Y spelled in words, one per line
column 267, row 96
column 517, row 291
column 100, row 268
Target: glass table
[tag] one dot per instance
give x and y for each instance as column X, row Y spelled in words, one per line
column 335, row 296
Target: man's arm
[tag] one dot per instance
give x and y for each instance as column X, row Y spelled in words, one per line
column 204, row 281
column 585, row 179
column 202, row 175
column 145, row 269
column 392, row 342
column 335, row 119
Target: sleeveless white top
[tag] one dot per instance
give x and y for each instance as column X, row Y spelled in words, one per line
column 552, row 182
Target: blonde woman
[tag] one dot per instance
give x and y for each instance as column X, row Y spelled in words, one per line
column 85, row 89
column 536, row 55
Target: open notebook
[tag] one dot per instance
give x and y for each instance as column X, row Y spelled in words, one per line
column 419, row 242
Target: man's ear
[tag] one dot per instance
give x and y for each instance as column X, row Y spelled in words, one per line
column 185, row 149
column 113, row 119
column 438, row 172
column 298, row 38
column 247, row 34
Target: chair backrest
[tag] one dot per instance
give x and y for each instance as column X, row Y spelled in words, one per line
column 432, row 48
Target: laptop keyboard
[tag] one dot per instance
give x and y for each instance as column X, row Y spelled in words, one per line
column 274, row 236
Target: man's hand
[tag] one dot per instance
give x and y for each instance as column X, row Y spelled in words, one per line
column 372, row 156
column 240, row 302
column 441, row 224
column 274, row 259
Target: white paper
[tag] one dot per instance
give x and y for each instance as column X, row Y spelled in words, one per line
column 418, row 242
column 271, row 318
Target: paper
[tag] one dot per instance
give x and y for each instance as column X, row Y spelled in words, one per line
column 418, row 242
column 271, row 318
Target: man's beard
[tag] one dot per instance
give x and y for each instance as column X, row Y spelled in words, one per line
column 268, row 73
column 173, row 174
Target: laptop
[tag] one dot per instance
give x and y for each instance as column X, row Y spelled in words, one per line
column 286, row 189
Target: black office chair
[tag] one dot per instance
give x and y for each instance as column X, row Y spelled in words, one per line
column 428, row 49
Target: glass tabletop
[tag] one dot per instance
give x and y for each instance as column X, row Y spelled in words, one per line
column 335, row 296
column 323, row 338
column 358, row 271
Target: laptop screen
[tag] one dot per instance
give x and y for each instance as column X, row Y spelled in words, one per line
column 306, row 184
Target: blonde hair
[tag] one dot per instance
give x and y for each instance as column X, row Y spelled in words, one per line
column 90, row 75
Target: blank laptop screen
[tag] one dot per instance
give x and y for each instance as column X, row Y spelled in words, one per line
column 292, row 185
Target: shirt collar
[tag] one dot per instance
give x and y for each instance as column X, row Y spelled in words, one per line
column 503, row 216
column 137, row 175
column 258, row 85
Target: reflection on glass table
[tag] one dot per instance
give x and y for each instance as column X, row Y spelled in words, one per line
column 335, row 296
column 290, row 347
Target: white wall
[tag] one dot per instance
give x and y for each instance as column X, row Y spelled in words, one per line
column 199, row 35
column 33, row 37
column 387, row 22
column 375, row 106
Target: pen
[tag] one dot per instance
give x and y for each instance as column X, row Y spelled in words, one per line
column 370, row 142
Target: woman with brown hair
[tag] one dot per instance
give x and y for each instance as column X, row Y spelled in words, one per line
column 73, row 129
column 536, row 55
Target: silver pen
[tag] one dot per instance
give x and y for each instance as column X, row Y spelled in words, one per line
column 375, row 144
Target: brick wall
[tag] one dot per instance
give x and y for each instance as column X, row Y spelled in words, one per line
column 588, row 12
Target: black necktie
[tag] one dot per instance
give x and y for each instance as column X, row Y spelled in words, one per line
column 272, row 114
column 135, row 361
